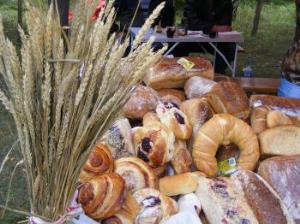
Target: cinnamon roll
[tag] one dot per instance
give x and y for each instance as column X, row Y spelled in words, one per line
column 175, row 120
column 100, row 161
column 155, row 207
column 103, row 196
column 136, row 173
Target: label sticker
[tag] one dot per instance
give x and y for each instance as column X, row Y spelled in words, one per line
column 188, row 65
column 227, row 167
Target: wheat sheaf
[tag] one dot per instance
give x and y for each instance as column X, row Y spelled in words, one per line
column 64, row 91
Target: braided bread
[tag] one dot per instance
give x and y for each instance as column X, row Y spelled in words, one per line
column 223, row 129
column 100, row 161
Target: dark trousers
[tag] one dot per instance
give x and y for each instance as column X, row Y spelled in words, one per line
column 228, row 49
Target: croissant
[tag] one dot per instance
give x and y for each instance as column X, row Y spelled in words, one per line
column 100, row 161
column 154, row 143
column 136, row 173
column 223, row 129
column 155, row 207
column 102, row 196
column 182, row 159
column 127, row 214
column 175, row 120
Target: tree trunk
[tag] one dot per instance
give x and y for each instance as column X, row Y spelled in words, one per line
column 20, row 12
column 259, row 6
column 297, row 33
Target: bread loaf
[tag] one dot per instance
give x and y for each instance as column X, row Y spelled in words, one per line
column 282, row 173
column 179, row 184
column 143, row 100
column 168, row 73
column 259, row 118
column 172, row 92
column 282, row 140
column 197, row 87
column 262, row 199
column 288, row 106
column 222, row 202
column 229, row 97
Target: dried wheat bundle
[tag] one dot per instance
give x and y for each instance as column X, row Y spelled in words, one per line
column 64, row 91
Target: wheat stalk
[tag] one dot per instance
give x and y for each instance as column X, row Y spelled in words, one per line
column 64, row 91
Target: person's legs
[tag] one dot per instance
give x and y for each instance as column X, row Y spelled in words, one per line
column 184, row 49
column 228, row 49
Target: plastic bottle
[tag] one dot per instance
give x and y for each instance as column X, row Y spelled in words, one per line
column 247, row 70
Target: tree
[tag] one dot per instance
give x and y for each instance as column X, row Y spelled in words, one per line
column 297, row 33
column 259, row 6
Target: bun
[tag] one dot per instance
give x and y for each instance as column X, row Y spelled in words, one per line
column 229, row 97
column 179, row 184
column 282, row 173
column 168, row 73
column 288, row 106
column 182, row 159
column 175, row 120
column 197, row 87
column 283, row 140
column 136, row 173
column 102, row 196
column 100, row 161
column 223, row 129
column 172, row 92
column 198, row 111
column 143, row 100
column 154, row 143
column 119, row 139
column 155, row 207
column 127, row 214
column 171, row 101
column 222, row 202
column 264, row 202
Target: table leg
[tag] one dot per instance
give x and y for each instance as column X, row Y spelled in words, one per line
column 222, row 56
column 235, row 60
column 171, row 49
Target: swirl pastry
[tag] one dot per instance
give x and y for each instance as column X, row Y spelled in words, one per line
column 182, row 159
column 155, row 207
column 102, row 196
column 127, row 214
column 119, row 139
column 100, row 161
column 154, row 143
column 175, row 120
column 136, row 173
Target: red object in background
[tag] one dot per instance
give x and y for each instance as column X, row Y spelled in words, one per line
column 95, row 15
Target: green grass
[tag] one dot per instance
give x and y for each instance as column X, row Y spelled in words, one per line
column 265, row 51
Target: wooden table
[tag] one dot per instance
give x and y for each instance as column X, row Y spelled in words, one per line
column 197, row 37
column 259, row 85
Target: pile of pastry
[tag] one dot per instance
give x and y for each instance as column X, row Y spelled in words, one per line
column 194, row 149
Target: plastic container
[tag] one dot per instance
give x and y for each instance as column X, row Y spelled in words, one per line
column 288, row 89
column 247, row 71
